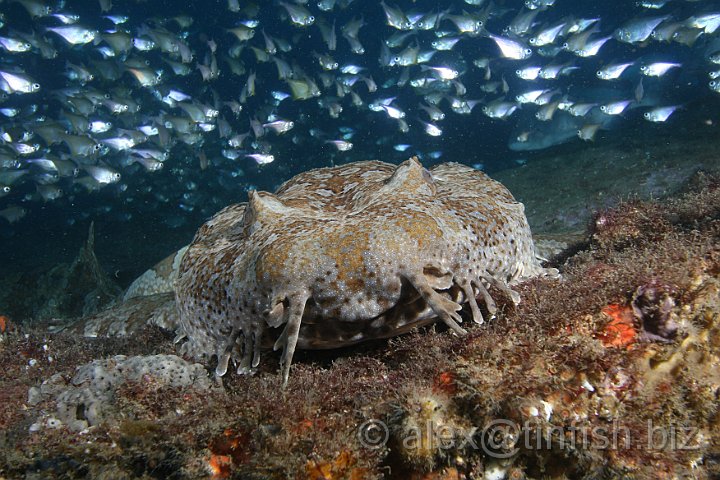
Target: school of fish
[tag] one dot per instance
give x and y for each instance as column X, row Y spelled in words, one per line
column 162, row 109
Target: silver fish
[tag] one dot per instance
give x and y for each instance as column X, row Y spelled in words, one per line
column 660, row 114
column 261, row 158
column 658, row 69
column 639, row 29
column 299, row 15
column 75, row 34
column 615, row 108
column 18, row 83
column 102, row 174
column 613, row 72
column 510, row 48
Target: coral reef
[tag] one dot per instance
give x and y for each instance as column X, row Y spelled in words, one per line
column 610, row 373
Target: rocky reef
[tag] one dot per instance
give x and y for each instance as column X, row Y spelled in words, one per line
column 612, row 372
column 73, row 290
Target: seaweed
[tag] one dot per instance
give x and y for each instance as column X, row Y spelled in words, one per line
column 610, row 372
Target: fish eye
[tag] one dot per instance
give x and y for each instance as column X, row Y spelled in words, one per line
column 528, row 51
column 713, row 83
column 311, row 18
column 646, row 114
column 566, row 45
column 603, row 108
column 96, row 147
column 598, row 73
column 518, row 71
column 6, row 189
column 533, row 41
column 36, row 86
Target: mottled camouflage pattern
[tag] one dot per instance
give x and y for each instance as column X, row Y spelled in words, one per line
column 345, row 254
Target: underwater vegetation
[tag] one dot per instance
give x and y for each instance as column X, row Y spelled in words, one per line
column 611, row 372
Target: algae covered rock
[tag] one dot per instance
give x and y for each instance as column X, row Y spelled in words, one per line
column 86, row 399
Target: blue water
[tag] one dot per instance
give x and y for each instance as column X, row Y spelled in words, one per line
column 147, row 215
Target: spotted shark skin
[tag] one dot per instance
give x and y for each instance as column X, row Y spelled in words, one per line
column 345, row 254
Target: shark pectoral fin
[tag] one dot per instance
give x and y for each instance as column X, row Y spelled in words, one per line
column 289, row 336
column 444, row 308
